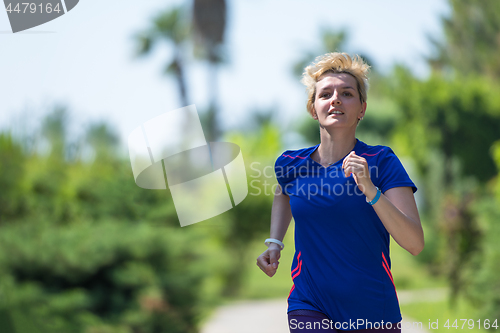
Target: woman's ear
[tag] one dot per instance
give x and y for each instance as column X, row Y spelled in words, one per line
column 314, row 115
column 363, row 110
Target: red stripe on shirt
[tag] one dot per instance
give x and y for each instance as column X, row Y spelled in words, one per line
column 372, row 154
column 298, row 262
column 387, row 265
column 388, row 271
column 294, row 156
column 299, row 267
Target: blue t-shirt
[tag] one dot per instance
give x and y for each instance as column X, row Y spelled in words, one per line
column 341, row 265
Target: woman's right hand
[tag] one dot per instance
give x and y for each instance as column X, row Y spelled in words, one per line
column 268, row 260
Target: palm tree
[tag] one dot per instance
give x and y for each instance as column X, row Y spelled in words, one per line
column 209, row 23
column 169, row 27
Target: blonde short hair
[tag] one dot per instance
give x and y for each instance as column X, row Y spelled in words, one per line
column 335, row 63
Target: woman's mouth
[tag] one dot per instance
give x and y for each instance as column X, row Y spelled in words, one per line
column 335, row 112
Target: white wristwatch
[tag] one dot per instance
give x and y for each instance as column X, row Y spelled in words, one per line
column 276, row 241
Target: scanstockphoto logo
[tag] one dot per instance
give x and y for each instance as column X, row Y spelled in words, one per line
column 205, row 179
column 26, row 14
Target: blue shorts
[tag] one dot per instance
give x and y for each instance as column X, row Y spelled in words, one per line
column 307, row 321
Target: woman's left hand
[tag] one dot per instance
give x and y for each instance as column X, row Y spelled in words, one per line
column 358, row 167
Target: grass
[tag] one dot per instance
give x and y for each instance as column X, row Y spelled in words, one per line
column 435, row 315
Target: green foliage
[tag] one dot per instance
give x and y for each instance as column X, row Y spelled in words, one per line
column 84, row 276
column 83, row 249
column 250, row 220
column 169, row 25
column 458, row 118
column 54, row 130
column 103, row 140
column 495, row 149
column 11, row 178
column 484, row 288
column 448, row 127
column 470, row 116
column 472, row 42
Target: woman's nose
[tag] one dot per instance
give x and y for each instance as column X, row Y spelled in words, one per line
column 335, row 99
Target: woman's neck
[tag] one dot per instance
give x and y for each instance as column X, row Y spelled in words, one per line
column 335, row 145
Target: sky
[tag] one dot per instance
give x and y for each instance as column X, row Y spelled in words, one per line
column 85, row 59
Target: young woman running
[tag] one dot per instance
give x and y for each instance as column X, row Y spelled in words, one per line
column 346, row 198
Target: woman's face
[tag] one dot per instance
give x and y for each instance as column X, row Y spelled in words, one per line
column 337, row 102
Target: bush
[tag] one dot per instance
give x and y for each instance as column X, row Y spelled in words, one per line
column 104, row 276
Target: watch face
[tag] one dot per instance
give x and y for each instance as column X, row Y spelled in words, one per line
column 28, row 14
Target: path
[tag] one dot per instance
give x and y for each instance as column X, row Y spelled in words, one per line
column 269, row 316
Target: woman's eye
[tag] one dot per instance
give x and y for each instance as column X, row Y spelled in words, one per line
column 347, row 93
column 325, row 95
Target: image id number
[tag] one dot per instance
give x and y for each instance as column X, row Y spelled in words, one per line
column 32, row 8
column 470, row 323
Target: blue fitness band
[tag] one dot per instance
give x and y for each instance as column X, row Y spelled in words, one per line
column 377, row 196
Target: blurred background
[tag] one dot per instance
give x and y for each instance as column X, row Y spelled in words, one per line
column 83, row 249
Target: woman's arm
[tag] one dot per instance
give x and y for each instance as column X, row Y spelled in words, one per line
column 281, row 215
column 396, row 208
